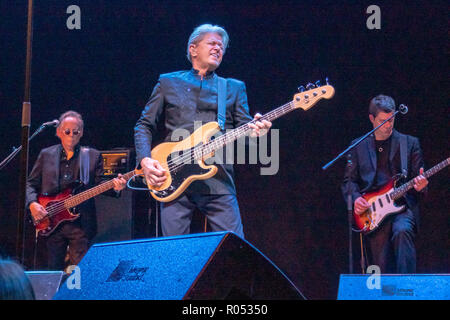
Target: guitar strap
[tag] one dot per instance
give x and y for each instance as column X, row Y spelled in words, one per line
column 84, row 165
column 403, row 156
column 221, row 101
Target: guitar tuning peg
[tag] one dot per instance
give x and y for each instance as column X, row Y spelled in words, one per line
column 310, row 86
column 301, row 89
column 326, row 80
column 317, row 84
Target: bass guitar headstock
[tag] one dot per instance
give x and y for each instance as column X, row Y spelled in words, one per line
column 310, row 95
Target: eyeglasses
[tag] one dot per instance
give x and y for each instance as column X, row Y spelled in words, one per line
column 75, row 132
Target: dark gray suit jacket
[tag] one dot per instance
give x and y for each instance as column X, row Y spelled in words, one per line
column 44, row 179
column 180, row 99
column 359, row 178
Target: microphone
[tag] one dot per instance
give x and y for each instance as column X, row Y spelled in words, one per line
column 403, row 109
column 53, row 123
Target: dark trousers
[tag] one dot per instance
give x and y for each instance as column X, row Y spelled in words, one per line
column 67, row 234
column 222, row 212
column 392, row 247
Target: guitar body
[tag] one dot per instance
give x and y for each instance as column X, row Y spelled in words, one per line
column 381, row 206
column 46, row 226
column 59, row 208
column 175, row 157
column 382, row 202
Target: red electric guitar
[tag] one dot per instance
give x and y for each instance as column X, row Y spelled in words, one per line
column 60, row 207
column 382, row 201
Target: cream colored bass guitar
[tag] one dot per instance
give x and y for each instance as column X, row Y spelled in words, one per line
column 184, row 160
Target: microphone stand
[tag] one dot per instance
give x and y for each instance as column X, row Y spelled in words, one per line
column 17, row 150
column 26, row 121
column 403, row 110
column 350, row 217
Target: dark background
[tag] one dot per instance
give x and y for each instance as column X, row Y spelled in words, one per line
column 107, row 70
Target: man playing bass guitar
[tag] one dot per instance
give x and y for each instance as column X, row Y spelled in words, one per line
column 178, row 101
column 57, row 169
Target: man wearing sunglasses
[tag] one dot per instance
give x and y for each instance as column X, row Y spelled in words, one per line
column 58, row 168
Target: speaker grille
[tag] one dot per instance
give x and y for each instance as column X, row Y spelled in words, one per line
column 216, row 265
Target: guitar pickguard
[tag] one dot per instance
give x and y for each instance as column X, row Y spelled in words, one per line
column 180, row 173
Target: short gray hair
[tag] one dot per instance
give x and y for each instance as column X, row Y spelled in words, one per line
column 199, row 32
column 72, row 114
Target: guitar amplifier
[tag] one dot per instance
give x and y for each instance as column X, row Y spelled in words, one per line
column 116, row 161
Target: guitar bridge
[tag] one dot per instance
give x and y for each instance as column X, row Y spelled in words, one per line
column 163, row 193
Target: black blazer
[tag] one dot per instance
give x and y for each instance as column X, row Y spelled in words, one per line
column 44, row 179
column 359, row 178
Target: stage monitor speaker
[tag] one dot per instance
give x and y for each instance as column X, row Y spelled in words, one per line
column 218, row 265
column 45, row 283
column 394, row 287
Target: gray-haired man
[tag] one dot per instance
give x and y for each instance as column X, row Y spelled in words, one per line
column 178, row 100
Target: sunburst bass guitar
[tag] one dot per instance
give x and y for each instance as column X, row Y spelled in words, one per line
column 61, row 207
column 184, row 161
column 382, row 202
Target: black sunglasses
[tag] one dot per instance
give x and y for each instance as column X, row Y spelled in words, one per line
column 74, row 132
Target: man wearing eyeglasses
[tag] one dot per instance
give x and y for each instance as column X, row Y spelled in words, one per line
column 58, row 168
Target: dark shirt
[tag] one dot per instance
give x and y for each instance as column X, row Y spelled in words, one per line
column 68, row 169
column 383, row 174
column 185, row 100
